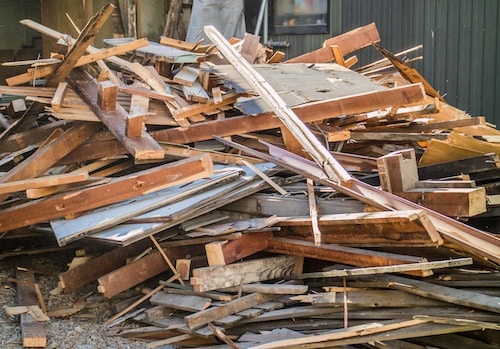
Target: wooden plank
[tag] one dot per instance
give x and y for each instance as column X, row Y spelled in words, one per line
column 204, row 317
column 274, row 288
column 46, row 156
column 143, row 148
column 348, row 42
column 80, row 46
column 223, row 253
column 107, row 94
column 211, row 278
column 341, row 254
column 189, row 303
column 458, row 167
column 186, row 76
column 138, row 271
column 32, row 331
column 250, row 47
column 446, row 294
column 45, row 181
column 388, row 269
column 122, row 188
column 58, row 97
column 308, row 112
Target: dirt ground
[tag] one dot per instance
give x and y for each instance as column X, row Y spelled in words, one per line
column 84, row 330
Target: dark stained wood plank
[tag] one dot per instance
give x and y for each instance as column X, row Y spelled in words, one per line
column 123, row 188
column 32, row 331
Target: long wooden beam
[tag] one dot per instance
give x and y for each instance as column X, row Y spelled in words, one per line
column 122, row 188
column 310, row 112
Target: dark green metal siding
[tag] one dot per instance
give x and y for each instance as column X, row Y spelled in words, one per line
column 461, row 40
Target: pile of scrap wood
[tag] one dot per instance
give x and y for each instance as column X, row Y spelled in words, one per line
column 249, row 192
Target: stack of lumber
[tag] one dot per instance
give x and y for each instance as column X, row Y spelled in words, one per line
column 266, row 212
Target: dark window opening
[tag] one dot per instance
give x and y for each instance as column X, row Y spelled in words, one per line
column 300, row 16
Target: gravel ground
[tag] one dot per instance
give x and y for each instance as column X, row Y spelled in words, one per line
column 84, row 330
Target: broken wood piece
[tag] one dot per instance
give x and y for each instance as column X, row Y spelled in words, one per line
column 224, row 252
column 107, row 94
column 122, row 188
column 339, row 57
column 186, row 76
column 45, row 181
column 212, row 278
column 80, row 45
column 177, row 276
column 33, row 310
column 199, row 319
column 181, row 302
column 58, row 97
column 348, row 42
column 274, row 288
column 143, row 148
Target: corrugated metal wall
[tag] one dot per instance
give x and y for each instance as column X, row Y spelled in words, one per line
column 461, row 44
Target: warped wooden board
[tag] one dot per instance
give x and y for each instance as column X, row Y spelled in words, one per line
column 181, row 302
column 308, row 112
column 66, row 231
column 142, row 148
column 446, row 294
column 81, row 44
column 211, row 278
column 178, row 212
column 123, row 188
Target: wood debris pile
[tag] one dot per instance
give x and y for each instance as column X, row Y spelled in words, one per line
column 247, row 189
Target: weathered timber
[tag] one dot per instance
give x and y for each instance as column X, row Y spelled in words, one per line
column 32, row 331
column 189, row 303
column 122, row 188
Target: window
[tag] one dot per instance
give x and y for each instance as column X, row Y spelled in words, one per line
column 300, row 16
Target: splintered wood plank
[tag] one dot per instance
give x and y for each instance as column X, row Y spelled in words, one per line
column 181, row 302
column 438, row 151
column 309, row 112
column 80, row 46
column 342, row 254
column 223, row 252
column 123, row 188
column 143, row 148
column 204, row 317
column 348, row 42
column 32, row 331
column 47, row 155
column 211, row 278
